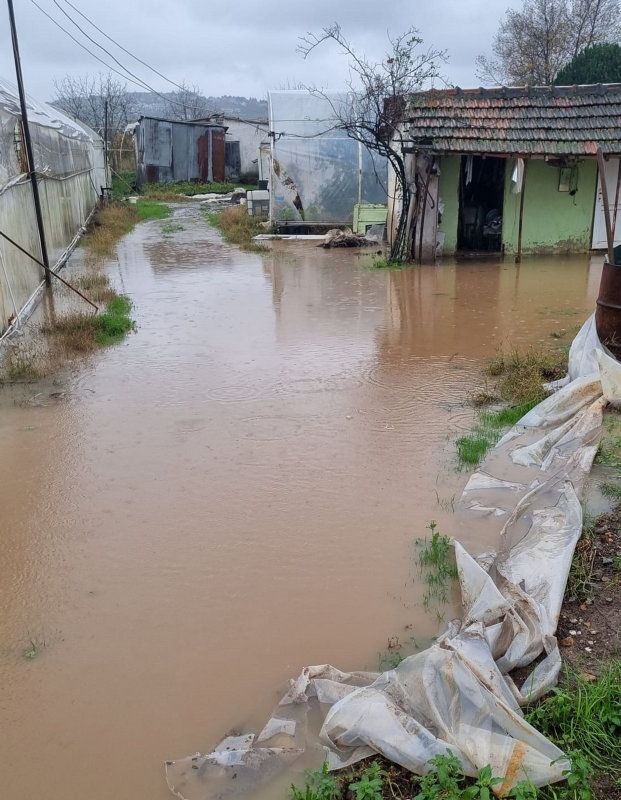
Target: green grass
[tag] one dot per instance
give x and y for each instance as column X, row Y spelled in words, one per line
column 585, row 716
column 115, row 322
column 387, row 263
column 436, row 559
column 472, row 448
column 147, row 209
column 122, row 184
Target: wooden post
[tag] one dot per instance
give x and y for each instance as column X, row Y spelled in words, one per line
column 602, row 181
column 518, row 258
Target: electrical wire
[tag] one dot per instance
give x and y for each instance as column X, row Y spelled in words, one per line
column 120, row 46
column 137, row 81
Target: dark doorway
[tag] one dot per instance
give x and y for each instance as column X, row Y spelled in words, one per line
column 481, row 192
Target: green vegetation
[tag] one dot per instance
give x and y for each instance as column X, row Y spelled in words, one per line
column 32, row 650
column 580, row 578
column 170, row 228
column 381, row 780
column 585, row 716
column 520, row 375
column 437, row 564
column 387, row 263
column 516, row 378
column 319, row 785
column 600, row 63
column 122, row 185
column 146, row 209
column 238, row 228
column 472, row 448
column 115, row 322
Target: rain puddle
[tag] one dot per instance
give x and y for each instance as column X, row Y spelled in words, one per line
column 234, row 492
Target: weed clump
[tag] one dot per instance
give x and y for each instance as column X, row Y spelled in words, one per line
column 115, row 322
column 437, row 563
column 238, row 228
column 380, row 779
column 109, row 223
column 472, row 448
column 521, row 375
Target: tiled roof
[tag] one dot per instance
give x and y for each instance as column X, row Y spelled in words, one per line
column 542, row 120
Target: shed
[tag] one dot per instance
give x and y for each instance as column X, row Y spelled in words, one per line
column 247, row 134
column 71, row 173
column 512, row 169
column 168, row 151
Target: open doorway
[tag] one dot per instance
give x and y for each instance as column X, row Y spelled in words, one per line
column 481, row 192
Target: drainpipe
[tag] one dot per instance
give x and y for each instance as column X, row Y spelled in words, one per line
column 518, row 258
column 27, row 141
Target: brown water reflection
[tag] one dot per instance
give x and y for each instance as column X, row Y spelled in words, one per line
column 233, row 492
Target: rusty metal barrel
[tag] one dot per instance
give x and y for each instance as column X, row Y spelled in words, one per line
column 608, row 310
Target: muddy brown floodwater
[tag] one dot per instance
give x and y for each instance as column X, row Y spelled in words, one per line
column 234, row 492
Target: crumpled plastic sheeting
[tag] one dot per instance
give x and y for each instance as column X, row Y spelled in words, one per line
column 457, row 696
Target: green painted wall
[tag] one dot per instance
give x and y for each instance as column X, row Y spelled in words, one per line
column 448, row 192
column 553, row 221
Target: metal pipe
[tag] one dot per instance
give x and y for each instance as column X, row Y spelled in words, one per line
column 27, row 141
column 49, row 271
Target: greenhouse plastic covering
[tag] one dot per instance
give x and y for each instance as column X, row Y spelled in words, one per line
column 70, row 166
column 318, row 173
column 458, row 696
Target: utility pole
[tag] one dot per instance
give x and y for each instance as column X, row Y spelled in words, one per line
column 27, row 141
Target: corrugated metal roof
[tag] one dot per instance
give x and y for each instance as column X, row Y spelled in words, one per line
column 542, row 120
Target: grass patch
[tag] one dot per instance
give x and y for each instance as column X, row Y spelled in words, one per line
column 170, row 228
column 115, row 322
column 585, row 716
column 122, row 185
column 147, row 209
column 517, row 378
column 109, row 223
column 96, row 286
column 436, row 559
column 238, row 228
column 387, row 263
column 472, row 448
column 21, row 364
column 520, row 375
column 172, row 192
column 611, row 490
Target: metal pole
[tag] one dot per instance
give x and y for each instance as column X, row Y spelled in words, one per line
column 105, row 140
column 27, row 141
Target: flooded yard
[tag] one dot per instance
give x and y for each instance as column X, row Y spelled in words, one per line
column 235, row 491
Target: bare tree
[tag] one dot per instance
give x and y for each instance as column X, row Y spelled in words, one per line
column 378, row 94
column 534, row 43
column 86, row 98
column 187, row 104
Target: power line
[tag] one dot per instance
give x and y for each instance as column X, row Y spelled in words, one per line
column 134, row 79
column 120, row 46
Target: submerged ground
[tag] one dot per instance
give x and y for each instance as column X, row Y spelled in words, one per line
column 234, row 492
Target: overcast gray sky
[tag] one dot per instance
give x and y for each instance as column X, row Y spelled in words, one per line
column 238, row 47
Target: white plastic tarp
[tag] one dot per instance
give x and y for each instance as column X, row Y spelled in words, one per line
column 458, row 695
column 318, row 173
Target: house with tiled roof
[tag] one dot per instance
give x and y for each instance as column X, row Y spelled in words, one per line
column 513, row 169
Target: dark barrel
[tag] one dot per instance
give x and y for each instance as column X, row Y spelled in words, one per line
column 608, row 311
